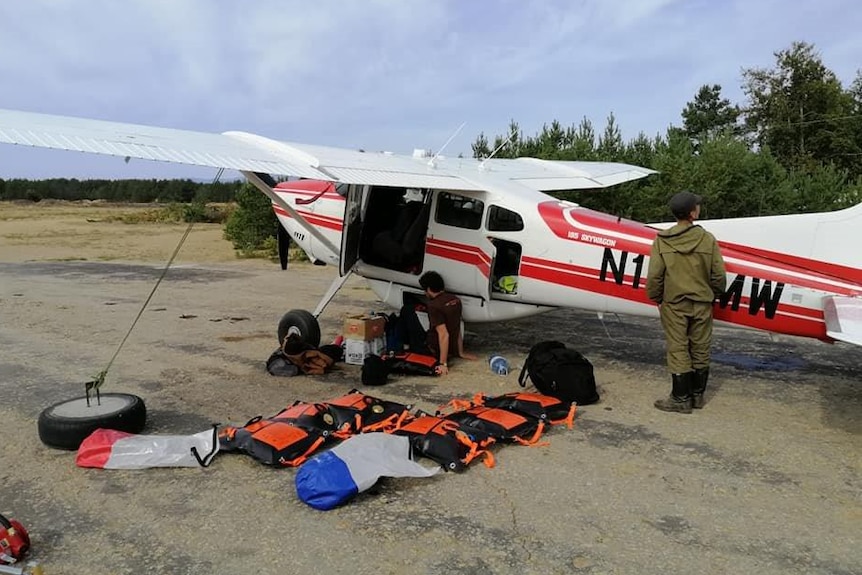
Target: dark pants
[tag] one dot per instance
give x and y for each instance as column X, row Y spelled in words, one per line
column 412, row 332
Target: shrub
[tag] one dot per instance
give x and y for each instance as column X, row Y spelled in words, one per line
column 252, row 222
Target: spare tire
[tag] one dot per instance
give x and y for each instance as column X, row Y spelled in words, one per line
column 66, row 424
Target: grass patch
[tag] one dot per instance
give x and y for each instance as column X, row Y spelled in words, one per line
column 176, row 213
column 269, row 250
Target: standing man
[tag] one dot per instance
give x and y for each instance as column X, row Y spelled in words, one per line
column 686, row 274
column 444, row 339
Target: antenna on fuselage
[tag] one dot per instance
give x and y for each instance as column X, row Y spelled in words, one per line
column 432, row 163
column 494, row 153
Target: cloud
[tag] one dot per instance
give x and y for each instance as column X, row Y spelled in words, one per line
column 394, row 74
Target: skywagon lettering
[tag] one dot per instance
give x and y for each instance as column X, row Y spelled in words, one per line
column 598, row 240
column 589, row 239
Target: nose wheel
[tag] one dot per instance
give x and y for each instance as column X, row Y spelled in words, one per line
column 301, row 323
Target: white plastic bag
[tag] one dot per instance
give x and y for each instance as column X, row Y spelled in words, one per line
column 111, row 449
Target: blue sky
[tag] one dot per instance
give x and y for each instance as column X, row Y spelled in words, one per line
column 387, row 74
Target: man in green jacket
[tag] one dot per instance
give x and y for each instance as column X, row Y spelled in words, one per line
column 686, row 274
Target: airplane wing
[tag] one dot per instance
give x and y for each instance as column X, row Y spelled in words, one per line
column 251, row 153
column 149, row 143
column 843, row 317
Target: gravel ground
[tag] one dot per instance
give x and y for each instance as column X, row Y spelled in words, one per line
column 765, row 479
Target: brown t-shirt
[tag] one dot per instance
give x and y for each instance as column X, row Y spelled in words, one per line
column 444, row 309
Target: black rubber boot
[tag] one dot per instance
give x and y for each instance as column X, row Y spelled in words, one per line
column 680, row 398
column 698, row 387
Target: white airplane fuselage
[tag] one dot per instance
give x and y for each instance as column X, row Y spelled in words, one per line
column 559, row 254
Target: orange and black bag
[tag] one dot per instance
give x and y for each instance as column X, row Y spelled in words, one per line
column 310, row 415
column 544, row 407
column 273, row 441
column 484, row 423
column 445, row 442
column 411, row 363
column 356, row 412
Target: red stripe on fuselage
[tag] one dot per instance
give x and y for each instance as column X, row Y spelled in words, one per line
column 314, row 219
column 305, row 195
column 853, row 275
column 463, row 253
column 588, row 279
column 607, row 231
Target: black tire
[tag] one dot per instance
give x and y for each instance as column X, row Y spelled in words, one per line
column 66, row 424
column 302, row 323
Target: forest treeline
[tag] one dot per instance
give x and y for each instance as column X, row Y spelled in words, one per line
column 794, row 145
column 134, row 191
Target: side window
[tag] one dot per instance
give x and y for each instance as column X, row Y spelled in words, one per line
column 459, row 211
column 503, row 220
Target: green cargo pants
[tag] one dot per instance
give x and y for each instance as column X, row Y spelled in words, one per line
column 688, row 330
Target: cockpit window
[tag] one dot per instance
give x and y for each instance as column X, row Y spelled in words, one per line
column 459, row 211
column 503, row 220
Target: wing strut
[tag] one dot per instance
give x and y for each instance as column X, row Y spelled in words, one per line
column 331, row 291
column 265, row 184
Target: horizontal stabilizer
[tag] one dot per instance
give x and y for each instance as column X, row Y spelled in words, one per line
column 843, row 317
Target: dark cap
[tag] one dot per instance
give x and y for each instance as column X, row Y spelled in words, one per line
column 682, row 204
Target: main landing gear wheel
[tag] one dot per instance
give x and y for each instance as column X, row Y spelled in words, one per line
column 66, row 424
column 301, row 323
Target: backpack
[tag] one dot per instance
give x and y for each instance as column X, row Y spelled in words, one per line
column 411, row 363
column 549, row 409
column 375, row 370
column 272, row 441
column 309, row 415
column 279, row 365
column 444, row 441
column 482, row 423
column 560, row 372
column 356, row 412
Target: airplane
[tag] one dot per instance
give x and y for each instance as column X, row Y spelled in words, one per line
column 490, row 227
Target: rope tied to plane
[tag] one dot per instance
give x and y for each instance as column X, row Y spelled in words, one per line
column 99, row 379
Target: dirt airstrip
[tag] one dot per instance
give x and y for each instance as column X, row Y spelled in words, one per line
column 765, row 479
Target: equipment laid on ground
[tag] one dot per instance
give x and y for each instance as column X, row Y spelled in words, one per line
column 499, row 424
column 273, row 441
column 112, row 449
column 545, row 407
column 445, row 442
column 14, row 541
column 499, row 364
column 411, row 363
column 560, row 372
column 66, row 424
column 361, row 413
column 453, row 439
column 336, row 476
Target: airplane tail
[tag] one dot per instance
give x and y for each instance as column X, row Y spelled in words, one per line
column 801, row 239
column 824, row 242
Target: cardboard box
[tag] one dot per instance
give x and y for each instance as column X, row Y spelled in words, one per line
column 356, row 350
column 364, row 327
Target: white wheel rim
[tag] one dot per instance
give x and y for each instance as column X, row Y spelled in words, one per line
column 78, row 409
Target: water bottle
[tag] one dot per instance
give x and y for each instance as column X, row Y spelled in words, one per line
column 499, row 364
